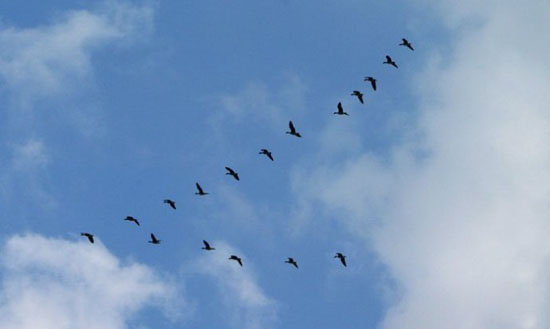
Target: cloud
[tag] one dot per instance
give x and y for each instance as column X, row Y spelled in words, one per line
column 47, row 60
column 259, row 103
column 53, row 283
column 53, row 62
column 459, row 215
column 246, row 304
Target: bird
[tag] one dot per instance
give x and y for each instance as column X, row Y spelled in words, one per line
column 89, row 236
column 358, row 94
column 232, row 173
column 340, row 110
column 372, row 82
column 132, row 219
column 291, row 261
column 238, row 259
column 266, row 152
column 171, row 203
column 293, row 130
column 154, row 239
column 207, row 246
column 342, row 258
column 390, row 61
column 407, row 44
column 199, row 189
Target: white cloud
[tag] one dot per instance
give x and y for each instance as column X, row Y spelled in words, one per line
column 246, row 304
column 53, row 283
column 30, row 155
column 460, row 216
column 49, row 59
column 257, row 102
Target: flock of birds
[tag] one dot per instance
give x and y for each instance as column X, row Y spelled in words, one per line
column 292, row 131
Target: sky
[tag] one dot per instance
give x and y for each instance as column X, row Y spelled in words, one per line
column 436, row 189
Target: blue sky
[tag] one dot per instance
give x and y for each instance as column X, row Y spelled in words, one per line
column 109, row 108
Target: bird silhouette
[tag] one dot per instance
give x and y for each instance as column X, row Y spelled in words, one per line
column 407, row 44
column 154, row 239
column 372, row 82
column 171, row 203
column 232, row 173
column 238, row 259
column 342, row 258
column 266, row 152
column 199, row 189
column 89, row 236
column 207, row 246
column 340, row 110
column 291, row 261
column 293, row 130
column 390, row 61
column 358, row 94
column 132, row 219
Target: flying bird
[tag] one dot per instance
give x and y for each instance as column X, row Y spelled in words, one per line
column 293, row 130
column 207, row 246
column 199, row 189
column 390, row 61
column 407, row 44
column 154, row 239
column 238, row 259
column 171, row 203
column 291, row 261
column 342, row 258
column 132, row 219
column 89, row 236
column 340, row 110
column 232, row 173
column 266, row 152
column 372, row 82
column 358, row 94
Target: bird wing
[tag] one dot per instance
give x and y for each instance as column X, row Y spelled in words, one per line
column 91, row 238
column 199, row 187
column 206, row 244
column 340, row 108
column 388, row 58
column 343, row 259
column 231, row 171
column 373, row 82
column 291, row 126
column 270, row 156
column 360, row 96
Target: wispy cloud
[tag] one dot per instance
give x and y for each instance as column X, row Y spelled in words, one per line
column 246, row 304
column 43, row 64
column 459, row 215
column 54, row 283
column 50, row 59
column 257, row 102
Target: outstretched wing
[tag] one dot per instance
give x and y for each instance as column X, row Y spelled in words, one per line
column 291, row 127
column 206, row 244
column 340, row 108
column 199, row 188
